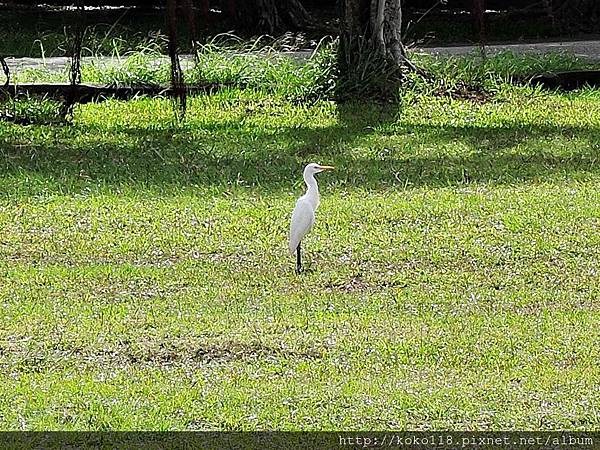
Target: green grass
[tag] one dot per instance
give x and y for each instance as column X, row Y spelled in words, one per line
column 259, row 66
column 451, row 283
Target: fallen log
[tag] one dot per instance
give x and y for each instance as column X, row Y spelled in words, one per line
column 85, row 93
column 568, row 81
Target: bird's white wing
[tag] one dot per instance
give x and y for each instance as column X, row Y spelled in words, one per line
column 303, row 219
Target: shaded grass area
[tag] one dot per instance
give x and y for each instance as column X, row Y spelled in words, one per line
column 452, row 275
column 44, row 32
column 230, row 141
column 500, row 27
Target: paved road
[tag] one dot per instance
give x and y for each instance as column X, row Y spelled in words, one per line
column 584, row 49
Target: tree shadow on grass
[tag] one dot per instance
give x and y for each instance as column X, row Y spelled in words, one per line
column 224, row 155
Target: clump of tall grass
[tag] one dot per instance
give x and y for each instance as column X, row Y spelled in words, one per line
column 229, row 61
column 297, row 77
column 146, row 66
column 473, row 73
column 41, row 74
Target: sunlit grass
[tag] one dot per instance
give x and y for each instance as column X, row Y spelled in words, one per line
column 452, row 274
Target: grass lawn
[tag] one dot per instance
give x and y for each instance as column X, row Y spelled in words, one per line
column 452, row 277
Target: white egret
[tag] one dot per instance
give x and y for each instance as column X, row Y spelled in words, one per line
column 303, row 216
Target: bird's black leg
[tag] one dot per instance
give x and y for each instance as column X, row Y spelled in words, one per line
column 298, row 260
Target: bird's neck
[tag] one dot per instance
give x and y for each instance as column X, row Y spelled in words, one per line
column 311, row 183
column 312, row 191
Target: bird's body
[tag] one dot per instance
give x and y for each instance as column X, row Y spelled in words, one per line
column 303, row 216
column 303, row 219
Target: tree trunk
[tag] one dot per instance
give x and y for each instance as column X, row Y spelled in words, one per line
column 478, row 14
column 371, row 54
column 269, row 15
column 386, row 24
column 177, row 81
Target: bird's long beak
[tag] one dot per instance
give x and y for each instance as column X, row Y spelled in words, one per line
column 326, row 167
